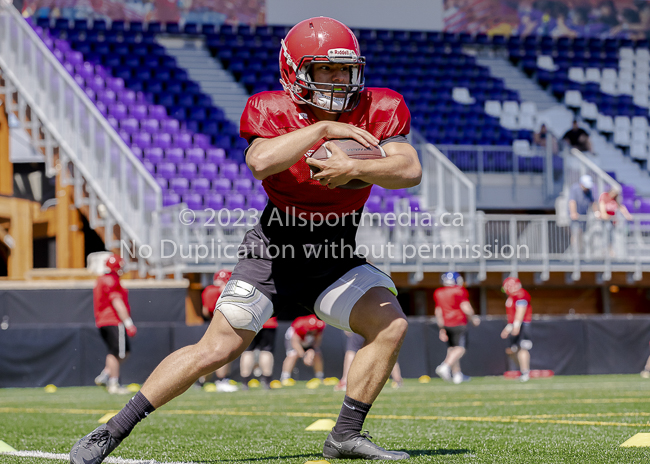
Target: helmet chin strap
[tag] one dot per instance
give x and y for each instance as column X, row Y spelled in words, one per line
column 328, row 103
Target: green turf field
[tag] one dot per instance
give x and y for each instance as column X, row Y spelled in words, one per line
column 582, row 419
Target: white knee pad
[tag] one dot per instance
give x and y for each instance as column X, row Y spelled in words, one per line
column 244, row 306
column 335, row 304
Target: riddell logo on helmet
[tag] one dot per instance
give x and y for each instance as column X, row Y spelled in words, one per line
column 341, row 53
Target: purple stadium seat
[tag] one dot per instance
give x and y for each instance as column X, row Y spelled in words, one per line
column 187, row 170
column 193, row 200
column 373, row 205
column 179, row 185
column 195, row 155
column 86, row 70
column 125, row 136
column 117, row 110
column 229, row 170
column 164, row 184
column 150, row 125
column 74, row 58
column 167, row 170
column 157, row 111
column 174, row 155
column 162, row 139
column 201, row 141
column 97, row 84
column 113, row 122
column 170, row 126
column 91, row 93
column 221, row 185
column 171, row 198
column 243, row 186
column 182, row 140
column 389, row 204
column 108, row 97
column 129, row 125
column 138, row 111
column 116, row 84
column 257, row 185
column 128, row 97
column 235, row 201
column 201, row 186
column 149, row 166
column 208, row 171
column 215, row 155
column 137, row 152
column 214, row 201
column 257, row 201
column 155, row 155
column 142, row 139
column 414, row 204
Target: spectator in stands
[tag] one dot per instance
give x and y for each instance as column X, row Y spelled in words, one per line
column 520, row 313
column 302, row 341
column 578, row 138
column 606, row 14
column 608, row 204
column 453, row 309
column 630, row 25
column 209, row 298
column 543, row 137
column 354, row 342
column 113, row 319
column 264, row 342
column 581, row 201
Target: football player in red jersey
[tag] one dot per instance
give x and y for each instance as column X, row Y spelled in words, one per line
column 520, row 314
column 452, row 312
column 288, row 265
column 209, row 298
column 113, row 319
column 302, row 340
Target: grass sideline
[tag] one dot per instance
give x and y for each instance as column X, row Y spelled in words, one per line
column 577, row 419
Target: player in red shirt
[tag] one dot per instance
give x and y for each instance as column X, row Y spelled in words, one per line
column 209, row 298
column 302, row 340
column 452, row 311
column 264, row 341
column 113, row 319
column 608, row 204
column 520, row 313
column 287, row 263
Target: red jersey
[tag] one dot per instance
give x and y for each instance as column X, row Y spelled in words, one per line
column 382, row 112
column 511, row 303
column 611, row 205
column 449, row 300
column 209, row 298
column 108, row 287
column 305, row 324
column 271, row 323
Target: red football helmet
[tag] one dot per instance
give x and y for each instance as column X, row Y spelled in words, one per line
column 323, row 40
column 222, row 276
column 510, row 285
column 115, row 263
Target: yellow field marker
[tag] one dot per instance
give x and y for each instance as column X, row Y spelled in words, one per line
column 321, row 425
column 322, row 461
column 5, row 448
column 106, row 417
column 639, row 440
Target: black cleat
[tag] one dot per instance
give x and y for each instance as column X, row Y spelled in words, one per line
column 359, row 448
column 94, row 447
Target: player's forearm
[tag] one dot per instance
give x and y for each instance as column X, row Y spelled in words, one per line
column 466, row 307
column 439, row 320
column 519, row 315
column 120, row 308
column 398, row 170
column 295, row 344
column 270, row 156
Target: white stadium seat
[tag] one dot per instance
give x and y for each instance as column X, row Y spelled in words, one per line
column 573, row 98
column 624, row 88
column 640, row 123
column 609, row 74
column 608, row 87
column 642, row 54
column 509, row 121
column 626, row 65
column 626, row 53
column 588, row 111
column 622, row 137
column 511, row 107
column 528, row 108
column 622, row 122
column 605, row 124
column 641, row 67
column 626, row 75
column 527, row 122
column 493, row 108
column 641, row 100
column 577, row 75
column 593, row 75
column 521, row 147
column 461, row 95
column 640, row 135
column 546, row 63
column 639, row 151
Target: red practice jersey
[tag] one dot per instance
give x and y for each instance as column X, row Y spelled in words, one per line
column 611, row 205
column 305, row 324
column 511, row 303
column 449, row 300
column 108, row 287
column 382, row 112
column 271, row 323
column 209, row 298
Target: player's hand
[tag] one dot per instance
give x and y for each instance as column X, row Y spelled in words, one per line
column 131, row 331
column 341, row 130
column 505, row 332
column 337, row 170
column 308, row 359
column 515, row 331
column 575, row 216
column 443, row 335
column 476, row 321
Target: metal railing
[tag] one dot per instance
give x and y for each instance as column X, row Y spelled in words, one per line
column 91, row 155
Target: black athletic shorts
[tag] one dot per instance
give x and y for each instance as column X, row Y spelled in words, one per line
column 279, row 258
column 116, row 340
column 354, row 342
column 263, row 341
column 522, row 340
column 457, row 336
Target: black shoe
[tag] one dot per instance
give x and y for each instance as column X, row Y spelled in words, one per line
column 359, row 448
column 94, row 447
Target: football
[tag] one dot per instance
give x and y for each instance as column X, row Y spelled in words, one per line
column 353, row 149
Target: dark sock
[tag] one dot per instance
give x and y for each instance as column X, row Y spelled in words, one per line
column 266, row 379
column 350, row 421
column 136, row 409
